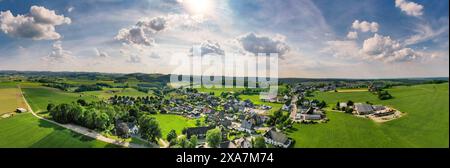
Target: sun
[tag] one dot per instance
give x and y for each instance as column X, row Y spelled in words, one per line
column 201, row 7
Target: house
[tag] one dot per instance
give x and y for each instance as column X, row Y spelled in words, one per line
column 286, row 107
column 342, row 105
column 243, row 143
column 200, row 132
column 302, row 116
column 378, row 107
column 246, row 126
column 363, row 109
column 21, row 110
column 277, row 139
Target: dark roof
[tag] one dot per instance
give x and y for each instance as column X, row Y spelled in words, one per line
column 276, row 136
column 197, row 131
column 363, row 107
column 246, row 124
column 227, row 144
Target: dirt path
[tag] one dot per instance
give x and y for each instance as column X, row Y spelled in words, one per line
column 82, row 130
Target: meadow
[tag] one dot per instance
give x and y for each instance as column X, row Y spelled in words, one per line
column 27, row 131
column 426, row 123
column 168, row 122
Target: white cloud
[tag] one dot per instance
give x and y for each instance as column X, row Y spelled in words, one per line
column 385, row 49
column 410, row 8
column 134, row 59
column 135, row 35
column 207, row 47
column 58, row 54
column 143, row 32
column 39, row 24
column 365, row 26
column 342, row 49
column 101, row 54
column 425, row 32
column 264, row 44
column 70, row 9
column 352, row 35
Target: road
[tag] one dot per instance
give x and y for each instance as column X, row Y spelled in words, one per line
column 294, row 107
column 82, row 130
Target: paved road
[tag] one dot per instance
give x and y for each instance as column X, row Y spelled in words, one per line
column 83, row 130
column 294, row 106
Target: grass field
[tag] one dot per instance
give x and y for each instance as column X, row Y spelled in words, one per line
column 26, row 131
column 40, row 97
column 426, row 123
column 168, row 122
column 10, row 99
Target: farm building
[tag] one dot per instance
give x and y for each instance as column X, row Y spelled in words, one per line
column 277, row 138
column 21, row 110
column 363, row 109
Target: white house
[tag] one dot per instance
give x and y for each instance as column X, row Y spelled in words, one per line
column 277, row 139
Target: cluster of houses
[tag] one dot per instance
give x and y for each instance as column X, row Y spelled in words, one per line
column 234, row 115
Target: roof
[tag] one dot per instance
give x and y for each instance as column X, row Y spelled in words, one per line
column 363, row 107
column 276, row 136
column 246, row 124
column 196, row 131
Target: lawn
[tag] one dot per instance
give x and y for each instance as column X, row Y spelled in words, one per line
column 27, row 131
column 168, row 122
column 10, row 99
column 426, row 123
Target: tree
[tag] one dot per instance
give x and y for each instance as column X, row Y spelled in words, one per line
column 172, row 135
column 214, row 137
column 149, row 128
column 82, row 102
column 182, row 141
column 50, row 107
column 259, row 142
column 193, row 141
column 350, row 103
column 198, row 123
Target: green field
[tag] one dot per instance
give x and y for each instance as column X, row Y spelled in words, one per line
column 27, row 131
column 40, row 97
column 426, row 123
column 168, row 122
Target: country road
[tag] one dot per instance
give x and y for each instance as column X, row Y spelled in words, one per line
column 82, row 130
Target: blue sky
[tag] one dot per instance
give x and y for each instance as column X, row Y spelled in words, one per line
column 322, row 38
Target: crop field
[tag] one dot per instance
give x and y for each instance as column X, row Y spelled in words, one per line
column 426, row 123
column 27, row 131
column 10, row 98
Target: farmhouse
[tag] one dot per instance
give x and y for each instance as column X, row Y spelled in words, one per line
column 342, row 105
column 243, row 143
column 277, row 138
column 363, row 109
column 21, row 110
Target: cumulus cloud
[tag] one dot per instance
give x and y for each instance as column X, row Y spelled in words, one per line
column 365, row 26
column 207, row 47
column 39, row 24
column 264, row 44
column 58, row 54
column 352, row 35
column 145, row 30
column 410, row 8
column 384, row 48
